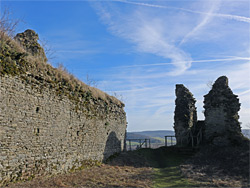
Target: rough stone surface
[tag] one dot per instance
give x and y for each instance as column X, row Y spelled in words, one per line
column 185, row 116
column 221, row 114
column 43, row 133
column 200, row 125
column 29, row 40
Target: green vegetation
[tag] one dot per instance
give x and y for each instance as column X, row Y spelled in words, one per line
column 162, row 140
column 159, row 138
column 166, row 166
column 171, row 177
column 168, row 173
column 85, row 164
column 106, row 125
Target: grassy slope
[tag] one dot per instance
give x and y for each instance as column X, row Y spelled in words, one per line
column 132, row 143
column 166, row 168
column 227, row 166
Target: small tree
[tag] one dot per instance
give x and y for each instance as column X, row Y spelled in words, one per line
column 7, row 28
column 7, row 25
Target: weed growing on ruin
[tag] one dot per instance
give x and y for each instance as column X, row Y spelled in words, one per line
column 85, row 164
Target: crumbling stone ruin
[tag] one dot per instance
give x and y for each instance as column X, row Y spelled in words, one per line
column 221, row 126
column 185, row 114
column 29, row 40
column 221, row 114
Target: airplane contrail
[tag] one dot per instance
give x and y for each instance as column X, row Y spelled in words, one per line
column 227, row 16
column 194, row 61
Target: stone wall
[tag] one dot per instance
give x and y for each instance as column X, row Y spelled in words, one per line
column 45, row 133
column 221, row 114
column 185, row 116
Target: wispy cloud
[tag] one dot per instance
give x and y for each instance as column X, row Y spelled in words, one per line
column 153, row 96
column 147, row 33
column 208, row 17
column 244, row 92
column 193, row 61
column 226, row 16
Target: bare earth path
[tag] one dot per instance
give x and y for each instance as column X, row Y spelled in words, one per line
column 162, row 167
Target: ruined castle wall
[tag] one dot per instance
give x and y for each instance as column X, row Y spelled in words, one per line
column 222, row 125
column 44, row 133
column 185, row 116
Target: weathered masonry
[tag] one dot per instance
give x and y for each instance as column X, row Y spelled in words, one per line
column 46, row 131
column 185, row 117
column 221, row 126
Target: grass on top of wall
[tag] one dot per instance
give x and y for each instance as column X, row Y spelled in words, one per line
column 16, row 61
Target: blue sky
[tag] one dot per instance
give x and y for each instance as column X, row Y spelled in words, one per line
column 141, row 49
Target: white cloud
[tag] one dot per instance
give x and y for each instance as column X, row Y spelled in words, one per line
column 207, row 18
column 146, row 122
column 225, row 16
column 147, row 33
column 244, row 92
column 193, row 61
column 239, row 76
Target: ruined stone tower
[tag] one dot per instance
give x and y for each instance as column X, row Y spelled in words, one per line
column 185, row 113
column 29, row 40
column 221, row 114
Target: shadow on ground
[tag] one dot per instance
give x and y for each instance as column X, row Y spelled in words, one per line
column 165, row 162
column 175, row 167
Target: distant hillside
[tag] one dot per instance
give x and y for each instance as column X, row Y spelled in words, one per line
column 140, row 136
column 157, row 133
column 161, row 133
column 154, row 136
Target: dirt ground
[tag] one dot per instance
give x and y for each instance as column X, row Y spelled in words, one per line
column 101, row 176
column 220, row 167
column 162, row 167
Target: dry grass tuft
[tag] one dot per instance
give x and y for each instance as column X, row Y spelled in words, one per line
column 102, row 176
